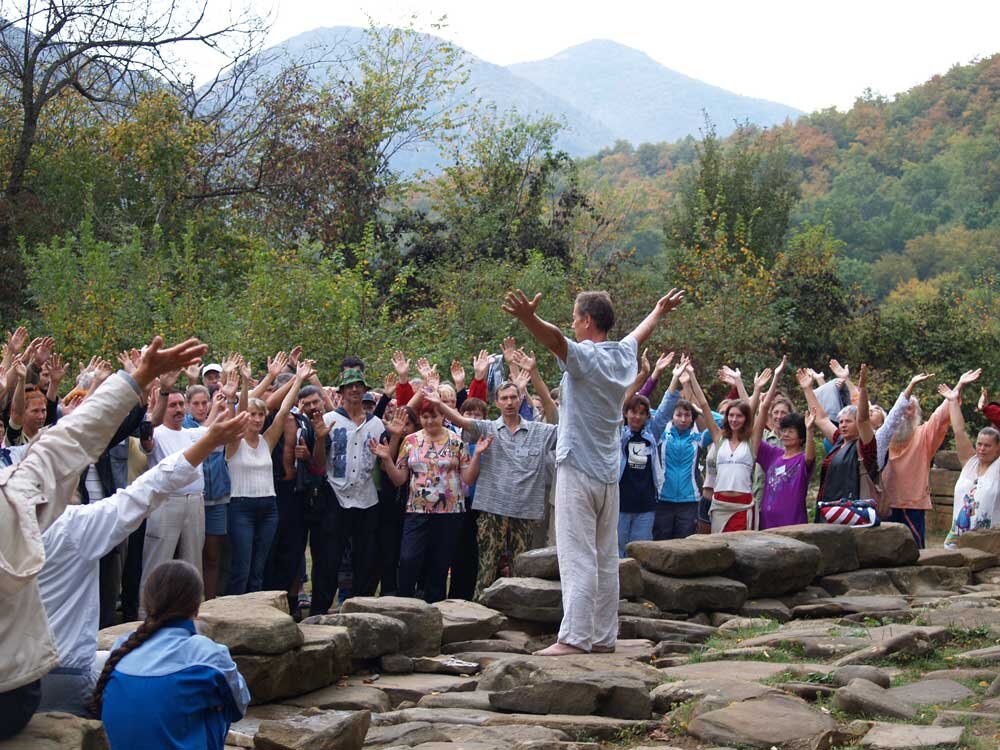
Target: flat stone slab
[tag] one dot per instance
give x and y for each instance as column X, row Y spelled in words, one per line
column 532, row 599
column 703, row 593
column 664, row 630
column 932, row 692
column 884, row 736
column 863, row 698
column 432, row 716
column 601, row 727
column 467, row 621
column 58, row 731
column 837, row 546
column 764, row 723
column 811, row 645
column 951, row 558
column 699, row 555
column 885, row 545
column 352, row 698
column 413, row 687
column 710, row 692
column 989, row 655
column 769, row 564
column 475, row 699
column 868, row 582
column 849, row 605
column 746, row 670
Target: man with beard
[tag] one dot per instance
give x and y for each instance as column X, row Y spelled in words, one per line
column 906, row 475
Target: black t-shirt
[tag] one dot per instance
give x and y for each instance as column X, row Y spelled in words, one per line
column 637, row 490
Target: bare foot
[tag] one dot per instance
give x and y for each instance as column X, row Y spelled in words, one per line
column 560, row 649
column 602, row 650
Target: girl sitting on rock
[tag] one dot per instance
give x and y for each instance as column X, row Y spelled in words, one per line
column 165, row 686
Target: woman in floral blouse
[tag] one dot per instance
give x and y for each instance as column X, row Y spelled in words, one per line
column 436, row 462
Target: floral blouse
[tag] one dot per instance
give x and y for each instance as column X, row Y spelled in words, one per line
column 435, row 472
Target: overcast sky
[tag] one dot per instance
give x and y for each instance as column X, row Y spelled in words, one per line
column 805, row 54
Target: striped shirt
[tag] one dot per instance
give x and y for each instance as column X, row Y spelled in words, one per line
column 512, row 470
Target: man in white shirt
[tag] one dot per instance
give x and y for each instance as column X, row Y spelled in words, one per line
column 342, row 444
column 74, row 544
column 177, row 526
column 596, row 374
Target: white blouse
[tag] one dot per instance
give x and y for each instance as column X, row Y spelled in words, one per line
column 734, row 468
column 250, row 470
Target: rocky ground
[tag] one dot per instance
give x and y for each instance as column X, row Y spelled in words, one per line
column 810, row 638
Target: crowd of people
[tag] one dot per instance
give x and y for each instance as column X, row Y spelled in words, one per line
column 132, row 498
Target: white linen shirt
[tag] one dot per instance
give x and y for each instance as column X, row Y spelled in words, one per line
column 349, row 460
column 69, row 581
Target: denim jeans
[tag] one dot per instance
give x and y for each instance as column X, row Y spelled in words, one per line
column 634, row 527
column 252, row 523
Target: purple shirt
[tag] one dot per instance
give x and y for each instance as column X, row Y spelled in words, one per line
column 786, row 481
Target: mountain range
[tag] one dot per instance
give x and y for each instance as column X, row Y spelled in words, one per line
column 601, row 90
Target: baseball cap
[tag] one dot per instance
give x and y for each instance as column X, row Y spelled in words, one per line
column 212, row 367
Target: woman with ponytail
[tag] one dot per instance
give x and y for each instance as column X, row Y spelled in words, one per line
column 165, row 686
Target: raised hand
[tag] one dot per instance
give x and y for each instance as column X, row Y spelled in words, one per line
column 246, row 371
column 516, row 303
column 398, row 424
column 762, row 378
column 951, row 394
column 432, row 378
column 158, row 361
column 920, row 377
column 810, row 418
column 839, row 370
column 969, row 376
column 381, row 450
column 520, row 379
column 102, row 372
column 295, row 355
column 457, row 374
column 508, row 347
column 423, row 367
column 230, row 384
column 681, row 367
column 191, row 372
column 58, row 369
column 781, row 366
column 43, row 351
column 644, row 363
column 430, row 391
column 402, row 366
column 167, row 379
column 230, row 363
column 662, row 363
column 320, row 427
column 483, row 444
column 17, row 339
column 863, row 378
column 524, row 361
column 305, row 370
column 226, row 429
column 670, row 301
column 277, row 364
column 984, row 398
column 390, row 383
column 481, row 365
column 730, row 376
column 803, row 378
column 818, row 377
column 128, row 365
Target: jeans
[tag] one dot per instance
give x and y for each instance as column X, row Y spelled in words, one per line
column 428, row 538
column 634, row 527
column 17, row 706
column 675, row 520
column 252, row 523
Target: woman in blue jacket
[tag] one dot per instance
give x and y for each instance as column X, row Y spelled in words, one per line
column 164, row 686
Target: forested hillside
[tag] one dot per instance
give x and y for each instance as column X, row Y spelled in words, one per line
column 910, row 185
